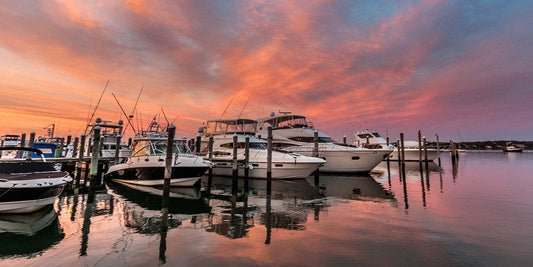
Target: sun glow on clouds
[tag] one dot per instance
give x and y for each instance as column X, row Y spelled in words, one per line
column 438, row 66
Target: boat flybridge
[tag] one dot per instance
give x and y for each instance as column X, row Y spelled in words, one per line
column 368, row 139
column 293, row 133
column 284, row 165
column 109, row 132
column 147, row 161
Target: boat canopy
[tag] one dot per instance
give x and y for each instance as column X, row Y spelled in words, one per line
column 236, row 126
column 285, row 121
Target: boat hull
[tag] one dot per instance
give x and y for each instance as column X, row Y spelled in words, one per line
column 28, row 198
column 258, row 170
column 152, row 176
column 179, row 182
column 346, row 161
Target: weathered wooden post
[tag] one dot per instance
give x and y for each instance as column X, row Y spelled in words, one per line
column 75, row 147
column 22, row 144
column 315, row 154
column 117, row 149
column 403, row 155
column 399, row 152
column 89, row 145
column 344, row 139
column 234, row 166
column 166, row 192
column 80, row 160
column 59, row 151
column 419, row 146
column 94, row 158
column 269, row 160
column 210, row 175
column 168, row 160
column 198, row 144
column 246, row 162
column 438, row 148
column 30, row 144
column 425, row 149
column 69, row 139
column 130, row 140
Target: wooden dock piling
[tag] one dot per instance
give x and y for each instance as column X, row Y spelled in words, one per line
column 246, row 162
column 210, row 174
column 30, row 144
column 438, row 148
column 269, row 160
column 315, row 154
column 117, row 149
column 234, row 166
column 94, row 158
column 75, row 147
column 419, row 146
column 22, row 144
column 198, row 144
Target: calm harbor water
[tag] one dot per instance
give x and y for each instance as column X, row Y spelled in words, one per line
column 480, row 216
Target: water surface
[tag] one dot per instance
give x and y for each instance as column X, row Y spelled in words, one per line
column 479, row 215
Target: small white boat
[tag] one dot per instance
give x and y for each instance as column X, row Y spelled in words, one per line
column 146, row 163
column 412, row 153
column 292, row 133
column 284, row 165
column 26, row 186
column 511, row 148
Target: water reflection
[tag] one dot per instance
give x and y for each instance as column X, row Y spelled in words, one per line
column 23, row 235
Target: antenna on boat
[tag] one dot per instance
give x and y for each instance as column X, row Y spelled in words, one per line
column 96, row 107
column 231, row 100
column 123, row 112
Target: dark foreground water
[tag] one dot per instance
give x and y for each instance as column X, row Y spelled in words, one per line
column 481, row 216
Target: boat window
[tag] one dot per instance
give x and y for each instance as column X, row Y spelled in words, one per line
column 355, row 158
column 311, row 139
column 241, row 145
column 141, row 149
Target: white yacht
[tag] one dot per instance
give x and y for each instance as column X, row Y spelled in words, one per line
column 373, row 140
column 146, row 164
column 284, row 165
column 292, row 133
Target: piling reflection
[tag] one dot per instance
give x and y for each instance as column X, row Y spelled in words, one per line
column 22, row 235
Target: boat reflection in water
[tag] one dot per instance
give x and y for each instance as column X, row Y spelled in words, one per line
column 360, row 187
column 143, row 205
column 288, row 205
column 22, row 235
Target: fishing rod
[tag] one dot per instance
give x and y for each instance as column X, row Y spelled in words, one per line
column 231, row 100
column 96, row 107
column 134, row 108
column 123, row 112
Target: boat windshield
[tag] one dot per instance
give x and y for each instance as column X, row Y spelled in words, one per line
column 158, row 148
column 252, row 145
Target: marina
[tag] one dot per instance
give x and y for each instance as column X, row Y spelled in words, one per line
column 463, row 215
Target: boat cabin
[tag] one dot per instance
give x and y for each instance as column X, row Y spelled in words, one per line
column 236, row 126
column 158, row 147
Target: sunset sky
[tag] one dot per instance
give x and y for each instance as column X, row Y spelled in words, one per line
column 462, row 69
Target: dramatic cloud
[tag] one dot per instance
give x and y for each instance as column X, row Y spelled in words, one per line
column 462, row 69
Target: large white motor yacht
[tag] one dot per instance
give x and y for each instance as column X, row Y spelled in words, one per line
column 146, row 164
column 292, row 133
column 284, row 165
column 373, row 140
